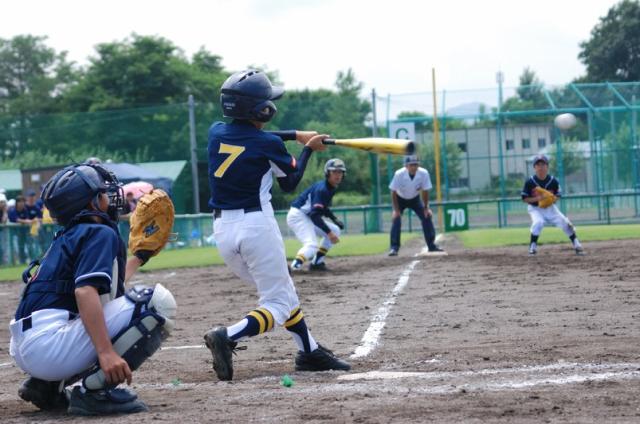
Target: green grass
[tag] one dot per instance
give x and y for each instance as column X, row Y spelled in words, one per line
column 350, row 245
column 514, row 236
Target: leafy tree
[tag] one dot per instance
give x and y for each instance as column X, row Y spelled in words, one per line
column 572, row 157
column 32, row 78
column 454, row 162
column 529, row 96
column 613, row 51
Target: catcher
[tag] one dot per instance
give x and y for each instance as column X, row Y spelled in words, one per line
column 541, row 191
column 75, row 320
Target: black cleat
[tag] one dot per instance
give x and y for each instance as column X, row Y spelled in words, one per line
column 435, row 248
column 321, row 359
column 221, row 347
column 318, row 267
column 46, row 395
column 392, row 252
column 104, row 402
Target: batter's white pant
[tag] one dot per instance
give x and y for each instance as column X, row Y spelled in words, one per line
column 548, row 216
column 55, row 348
column 307, row 232
column 252, row 246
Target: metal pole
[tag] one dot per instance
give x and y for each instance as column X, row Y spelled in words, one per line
column 445, row 172
column 501, row 218
column 390, row 169
column 375, row 165
column 634, row 154
column 436, row 148
column 194, row 155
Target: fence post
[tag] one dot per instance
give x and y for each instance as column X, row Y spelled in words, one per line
column 194, row 155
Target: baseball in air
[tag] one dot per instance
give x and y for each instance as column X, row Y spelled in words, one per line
column 565, row 121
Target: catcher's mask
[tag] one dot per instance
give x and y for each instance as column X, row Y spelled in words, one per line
column 334, row 164
column 249, row 95
column 70, row 191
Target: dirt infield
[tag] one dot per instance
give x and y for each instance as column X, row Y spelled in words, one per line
column 475, row 336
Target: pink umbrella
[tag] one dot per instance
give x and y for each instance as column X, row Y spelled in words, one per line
column 138, row 188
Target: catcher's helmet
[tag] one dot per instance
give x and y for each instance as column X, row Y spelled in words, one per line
column 69, row 191
column 248, row 95
column 334, row 164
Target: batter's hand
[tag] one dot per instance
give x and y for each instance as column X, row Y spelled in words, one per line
column 395, row 214
column 303, row 137
column 333, row 238
column 315, row 142
column 428, row 213
column 116, row 370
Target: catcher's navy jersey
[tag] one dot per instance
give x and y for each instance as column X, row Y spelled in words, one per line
column 241, row 160
column 317, row 197
column 86, row 254
column 550, row 183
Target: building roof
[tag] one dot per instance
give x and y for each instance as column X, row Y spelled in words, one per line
column 167, row 169
column 11, row 179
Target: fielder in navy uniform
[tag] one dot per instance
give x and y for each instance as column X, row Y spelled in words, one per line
column 75, row 319
column 305, row 218
column 242, row 161
column 551, row 215
column 410, row 189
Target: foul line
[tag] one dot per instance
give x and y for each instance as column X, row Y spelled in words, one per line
column 370, row 339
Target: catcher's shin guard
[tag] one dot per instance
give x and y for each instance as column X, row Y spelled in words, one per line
column 144, row 334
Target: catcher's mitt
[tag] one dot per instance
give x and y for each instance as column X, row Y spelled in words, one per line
column 151, row 224
column 548, row 198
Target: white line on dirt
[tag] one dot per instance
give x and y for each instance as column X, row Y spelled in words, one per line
column 182, row 347
column 6, row 364
column 370, row 338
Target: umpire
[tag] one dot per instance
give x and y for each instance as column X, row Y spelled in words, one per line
column 410, row 189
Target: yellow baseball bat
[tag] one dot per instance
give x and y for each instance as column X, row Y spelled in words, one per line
column 394, row 146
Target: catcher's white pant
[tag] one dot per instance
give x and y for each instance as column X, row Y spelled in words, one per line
column 55, row 348
column 252, row 246
column 548, row 216
column 307, row 232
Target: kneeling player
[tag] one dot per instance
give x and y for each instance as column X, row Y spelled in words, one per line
column 544, row 211
column 74, row 320
column 306, row 213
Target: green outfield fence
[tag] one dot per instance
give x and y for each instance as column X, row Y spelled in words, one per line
column 18, row 245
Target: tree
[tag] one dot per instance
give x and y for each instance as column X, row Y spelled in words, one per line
column 32, row 78
column 454, row 163
column 613, row 51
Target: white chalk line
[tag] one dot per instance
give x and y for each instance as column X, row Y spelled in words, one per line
column 370, row 338
column 6, row 364
column 499, row 379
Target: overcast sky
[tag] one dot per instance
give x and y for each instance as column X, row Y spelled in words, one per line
column 391, row 45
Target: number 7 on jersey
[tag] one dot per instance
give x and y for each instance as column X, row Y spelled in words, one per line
column 233, row 152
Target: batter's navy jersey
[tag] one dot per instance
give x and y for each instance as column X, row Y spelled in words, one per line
column 550, row 183
column 241, row 160
column 317, row 197
column 87, row 254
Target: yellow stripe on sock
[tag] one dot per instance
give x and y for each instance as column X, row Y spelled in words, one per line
column 257, row 315
column 295, row 318
column 267, row 315
column 323, row 250
column 301, row 258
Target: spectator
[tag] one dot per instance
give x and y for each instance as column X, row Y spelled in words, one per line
column 19, row 214
column 37, row 242
column 4, row 216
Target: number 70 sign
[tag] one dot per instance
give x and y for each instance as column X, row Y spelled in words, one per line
column 456, row 217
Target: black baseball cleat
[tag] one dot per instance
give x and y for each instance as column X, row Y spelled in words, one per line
column 221, row 347
column 321, row 359
column 318, row 267
column 392, row 252
column 435, row 248
column 104, row 402
column 46, row 395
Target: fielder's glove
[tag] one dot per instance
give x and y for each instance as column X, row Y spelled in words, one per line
column 151, row 224
column 548, row 198
column 339, row 223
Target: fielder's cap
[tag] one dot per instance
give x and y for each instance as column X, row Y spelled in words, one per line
column 30, row 192
column 540, row 158
column 411, row 159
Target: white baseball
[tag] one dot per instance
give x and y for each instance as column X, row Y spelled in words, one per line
column 565, row 121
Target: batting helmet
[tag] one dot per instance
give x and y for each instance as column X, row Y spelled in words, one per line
column 69, row 191
column 334, row 164
column 248, row 95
